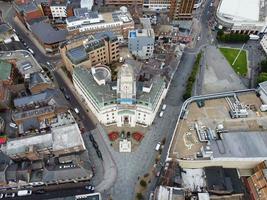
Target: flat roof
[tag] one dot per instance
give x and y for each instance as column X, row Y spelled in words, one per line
column 5, row 70
column 47, row 34
column 240, row 10
column 240, row 145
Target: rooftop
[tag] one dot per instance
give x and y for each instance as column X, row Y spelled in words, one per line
column 5, row 70
column 202, row 119
column 26, row 7
column 38, row 78
column 64, row 134
column 240, row 10
column 4, row 28
column 47, row 34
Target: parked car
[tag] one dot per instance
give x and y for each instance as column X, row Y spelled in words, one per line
column 1, row 196
column 95, row 144
column 10, row 195
column 90, row 188
column 40, row 191
column 13, row 125
column 91, row 137
column 67, row 96
column 24, row 193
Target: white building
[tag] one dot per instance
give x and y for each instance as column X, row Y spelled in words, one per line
column 263, row 91
column 87, row 4
column 126, row 102
column 141, row 42
column 242, row 16
column 85, row 21
column 157, row 4
column 59, row 9
column 263, row 43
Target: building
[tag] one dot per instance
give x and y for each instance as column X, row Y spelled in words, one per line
column 39, row 82
column 27, row 11
column 44, row 6
column 124, row 2
column 119, row 22
column 63, row 138
column 5, row 32
column 59, row 9
column 157, row 4
column 102, row 48
column 220, row 138
column 262, row 89
column 257, row 183
column 168, row 193
column 47, row 36
column 181, row 9
column 242, row 16
column 263, row 43
column 141, row 43
column 126, row 102
column 6, row 79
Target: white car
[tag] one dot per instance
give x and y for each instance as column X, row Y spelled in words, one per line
column 13, row 125
column 198, row 38
column 161, row 114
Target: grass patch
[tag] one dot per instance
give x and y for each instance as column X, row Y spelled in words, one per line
column 240, row 66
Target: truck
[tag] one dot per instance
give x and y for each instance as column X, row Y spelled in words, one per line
column 254, row 37
column 263, row 107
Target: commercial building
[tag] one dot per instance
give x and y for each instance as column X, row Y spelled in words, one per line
column 126, row 102
column 181, row 9
column 220, row 139
column 102, row 48
column 47, row 36
column 141, row 42
column 39, row 82
column 119, row 22
column 242, row 16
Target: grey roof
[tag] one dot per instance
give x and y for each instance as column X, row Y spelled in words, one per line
column 26, row 7
column 84, row 12
column 4, row 28
column 100, row 93
column 108, row 35
column 43, row 97
column 77, row 55
column 47, row 34
column 241, row 145
column 31, row 123
column 59, row 3
column 53, row 175
column 11, row 172
column 3, row 168
column 37, row 78
column 263, row 86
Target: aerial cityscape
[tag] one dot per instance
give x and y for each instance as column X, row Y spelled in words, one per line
column 133, row 99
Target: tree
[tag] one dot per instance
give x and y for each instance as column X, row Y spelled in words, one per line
column 143, row 183
column 262, row 77
column 139, row 196
column 263, row 65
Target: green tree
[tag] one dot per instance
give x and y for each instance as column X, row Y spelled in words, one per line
column 263, row 65
column 262, row 77
column 143, row 183
column 139, row 196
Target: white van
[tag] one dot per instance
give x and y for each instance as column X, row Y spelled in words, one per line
column 24, row 193
column 164, row 107
column 13, row 125
column 157, row 146
column 161, row 114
